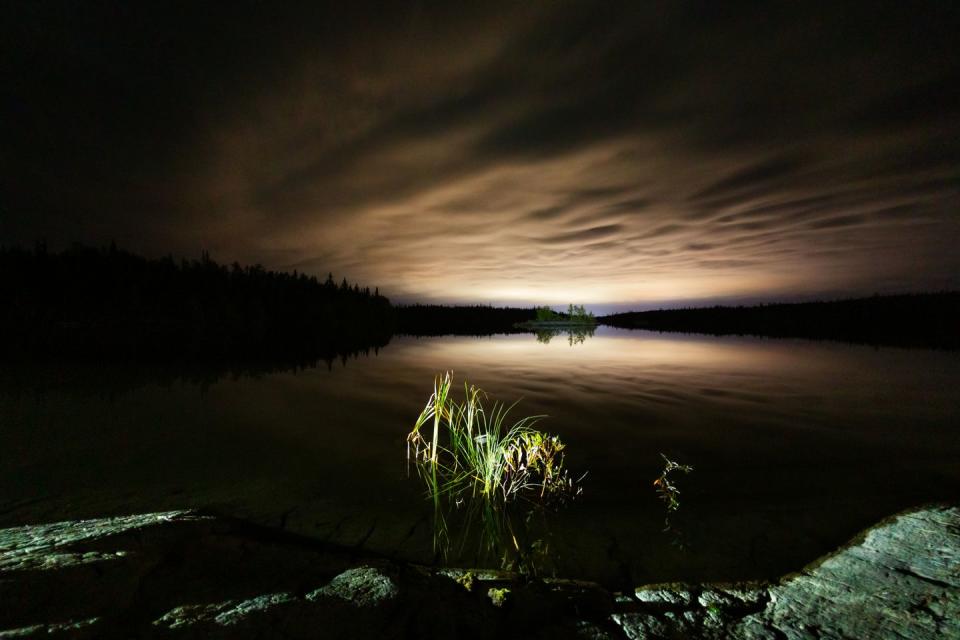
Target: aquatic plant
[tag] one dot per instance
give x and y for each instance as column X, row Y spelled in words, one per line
column 478, row 460
column 670, row 495
column 498, row 597
column 667, row 490
column 483, row 454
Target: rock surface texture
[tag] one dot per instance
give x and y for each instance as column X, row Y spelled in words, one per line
column 193, row 575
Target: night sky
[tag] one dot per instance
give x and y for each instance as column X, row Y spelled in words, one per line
column 620, row 155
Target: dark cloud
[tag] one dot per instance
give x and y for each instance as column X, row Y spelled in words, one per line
column 584, row 235
column 547, row 213
column 663, row 230
column 750, row 178
column 835, row 222
column 620, row 151
column 630, row 205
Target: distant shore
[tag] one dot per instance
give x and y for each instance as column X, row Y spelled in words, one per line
column 111, row 305
column 927, row 320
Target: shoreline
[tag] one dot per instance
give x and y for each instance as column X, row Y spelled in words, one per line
column 195, row 574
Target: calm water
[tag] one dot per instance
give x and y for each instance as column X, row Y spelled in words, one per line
column 796, row 445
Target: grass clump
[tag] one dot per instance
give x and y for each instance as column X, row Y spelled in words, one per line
column 477, row 460
column 479, row 453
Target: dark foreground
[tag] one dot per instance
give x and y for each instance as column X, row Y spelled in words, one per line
column 193, row 575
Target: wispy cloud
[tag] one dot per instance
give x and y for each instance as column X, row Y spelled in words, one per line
column 622, row 153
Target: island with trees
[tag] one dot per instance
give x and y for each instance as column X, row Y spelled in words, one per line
column 546, row 318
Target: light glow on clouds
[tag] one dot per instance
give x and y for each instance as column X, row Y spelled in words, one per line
column 505, row 175
column 617, row 155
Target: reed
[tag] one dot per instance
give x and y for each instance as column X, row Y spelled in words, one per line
column 479, row 451
column 479, row 459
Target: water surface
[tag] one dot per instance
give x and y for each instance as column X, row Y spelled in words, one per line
column 796, row 445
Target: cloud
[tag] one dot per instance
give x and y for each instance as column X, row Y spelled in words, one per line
column 584, row 235
column 837, row 221
column 522, row 153
column 750, row 178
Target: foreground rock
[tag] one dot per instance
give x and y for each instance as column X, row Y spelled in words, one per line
column 900, row 579
column 192, row 575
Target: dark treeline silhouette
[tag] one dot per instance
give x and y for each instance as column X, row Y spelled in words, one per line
column 114, row 379
column 479, row 320
column 914, row 320
column 111, row 304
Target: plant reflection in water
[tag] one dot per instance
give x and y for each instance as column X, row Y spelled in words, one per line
column 493, row 480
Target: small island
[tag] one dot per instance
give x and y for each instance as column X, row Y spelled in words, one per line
column 546, row 318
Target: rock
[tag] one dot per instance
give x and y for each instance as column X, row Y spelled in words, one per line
column 361, row 587
column 590, row 631
column 189, row 575
column 668, row 596
column 637, row 626
column 73, row 628
column 899, row 580
column 732, row 598
column 246, row 608
column 35, row 546
column 485, row 575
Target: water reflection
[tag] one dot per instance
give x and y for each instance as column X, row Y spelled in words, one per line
column 489, row 474
column 796, row 444
column 513, row 537
column 575, row 335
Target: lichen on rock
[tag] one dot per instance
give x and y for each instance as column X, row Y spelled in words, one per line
column 360, row 586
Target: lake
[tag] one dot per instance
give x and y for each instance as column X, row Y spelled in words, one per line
column 796, row 445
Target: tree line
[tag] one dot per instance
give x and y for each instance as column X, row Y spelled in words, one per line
column 478, row 320
column 109, row 303
column 911, row 320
